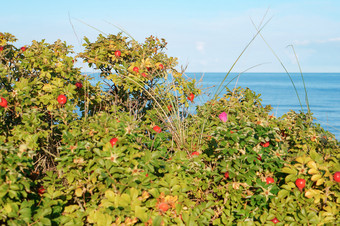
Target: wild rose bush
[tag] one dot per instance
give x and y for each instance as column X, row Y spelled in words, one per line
column 73, row 153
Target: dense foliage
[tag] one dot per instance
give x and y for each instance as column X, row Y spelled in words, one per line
column 129, row 153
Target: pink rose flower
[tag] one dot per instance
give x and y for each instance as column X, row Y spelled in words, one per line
column 223, row 116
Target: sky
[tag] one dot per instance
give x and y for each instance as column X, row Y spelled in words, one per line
column 205, row 36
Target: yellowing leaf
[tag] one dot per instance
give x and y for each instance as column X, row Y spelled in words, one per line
column 71, row 208
column 313, row 171
column 141, row 213
column 79, row 192
column 124, row 200
column 8, row 208
column 312, row 165
column 289, row 170
column 301, row 159
column 316, row 177
column 48, row 87
column 133, row 193
column 110, row 195
column 104, row 219
column 310, row 193
column 320, row 181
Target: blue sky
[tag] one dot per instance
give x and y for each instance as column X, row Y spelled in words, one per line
column 206, row 35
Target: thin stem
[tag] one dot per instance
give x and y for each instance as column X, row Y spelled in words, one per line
column 303, row 80
column 231, row 68
column 280, row 63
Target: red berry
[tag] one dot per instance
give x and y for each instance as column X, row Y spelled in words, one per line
column 336, row 176
column 270, row 180
column 163, row 206
column 1, row 48
column 79, row 85
column 62, row 99
column 265, row 144
column 300, row 183
column 118, row 53
column 195, row 153
column 3, row 102
column 191, row 97
column 144, row 75
column 275, row 220
column 41, row 190
column 23, row 48
column 170, row 107
column 226, row 175
column 157, row 129
column 113, row 141
column 135, row 69
column 161, row 66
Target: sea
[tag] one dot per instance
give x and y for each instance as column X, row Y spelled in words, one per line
column 320, row 90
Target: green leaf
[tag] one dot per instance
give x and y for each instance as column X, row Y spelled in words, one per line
column 141, row 213
column 124, row 200
column 289, row 218
column 46, row 221
column 289, row 170
column 157, row 221
column 71, row 208
column 282, row 194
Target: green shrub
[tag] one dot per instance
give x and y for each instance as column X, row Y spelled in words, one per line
column 132, row 154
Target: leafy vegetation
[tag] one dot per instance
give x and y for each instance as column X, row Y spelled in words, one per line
column 73, row 153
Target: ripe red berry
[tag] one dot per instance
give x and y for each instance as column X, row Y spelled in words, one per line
column 275, row 220
column 300, row 183
column 62, row 99
column 144, row 75
column 336, row 176
column 191, row 97
column 1, row 48
column 157, row 129
column 195, row 153
column 270, row 180
column 226, row 175
column 113, row 141
column 265, row 144
column 23, row 48
column 41, row 190
column 163, row 206
column 79, row 85
column 135, row 69
column 3, row 102
column 118, row 53
column 161, row 66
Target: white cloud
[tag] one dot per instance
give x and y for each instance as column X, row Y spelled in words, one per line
column 200, row 46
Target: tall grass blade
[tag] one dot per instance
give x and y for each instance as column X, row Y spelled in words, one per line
column 280, row 63
column 123, row 30
column 303, row 80
column 218, row 91
column 90, row 26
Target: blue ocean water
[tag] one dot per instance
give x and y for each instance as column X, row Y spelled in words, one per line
column 277, row 90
